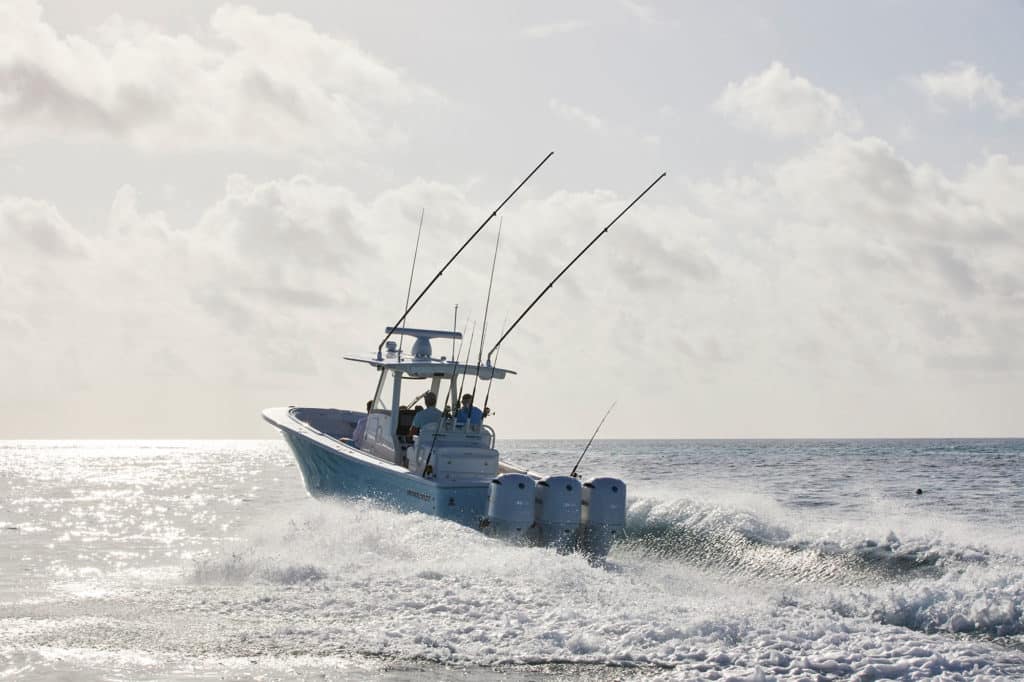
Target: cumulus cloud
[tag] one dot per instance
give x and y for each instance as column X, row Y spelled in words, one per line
column 574, row 114
column 296, row 220
column 40, row 227
column 549, row 30
column 269, row 82
column 847, row 263
column 886, row 262
column 994, row 188
column 656, row 256
column 783, row 104
column 865, row 183
column 640, row 10
column 964, row 83
column 263, row 287
column 14, row 325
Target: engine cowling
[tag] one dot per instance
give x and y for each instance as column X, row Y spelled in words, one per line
column 603, row 516
column 558, row 511
column 510, row 506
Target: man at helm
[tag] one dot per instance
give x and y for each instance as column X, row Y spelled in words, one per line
column 429, row 415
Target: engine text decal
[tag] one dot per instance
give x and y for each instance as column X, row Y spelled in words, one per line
column 420, row 496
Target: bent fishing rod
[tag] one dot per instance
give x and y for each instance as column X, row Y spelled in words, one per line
column 487, row 308
column 600, row 424
column 440, row 272
column 455, row 328
column 573, row 261
column 490, row 382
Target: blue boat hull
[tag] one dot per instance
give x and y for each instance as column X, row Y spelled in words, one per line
column 333, row 469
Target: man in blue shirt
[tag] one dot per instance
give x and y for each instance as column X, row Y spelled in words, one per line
column 428, row 415
column 469, row 413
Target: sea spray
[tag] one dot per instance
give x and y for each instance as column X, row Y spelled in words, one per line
column 143, row 562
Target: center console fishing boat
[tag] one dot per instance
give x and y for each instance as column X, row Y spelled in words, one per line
column 449, row 467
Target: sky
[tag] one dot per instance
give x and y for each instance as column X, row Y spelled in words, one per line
column 205, row 206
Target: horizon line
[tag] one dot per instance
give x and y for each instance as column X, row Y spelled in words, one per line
column 557, row 438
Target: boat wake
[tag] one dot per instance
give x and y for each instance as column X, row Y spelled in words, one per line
column 693, row 580
column 738, row 542
column 929, row 583
column 698, row 589
column 721, row 581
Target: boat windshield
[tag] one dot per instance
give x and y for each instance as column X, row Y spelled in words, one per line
column 414, row 393
column 382, row 398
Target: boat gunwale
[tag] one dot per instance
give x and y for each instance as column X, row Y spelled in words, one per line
column 300, row 428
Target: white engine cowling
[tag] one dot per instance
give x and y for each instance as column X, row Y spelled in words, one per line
column 558, row 511
column 603, row 516
column 510, row 506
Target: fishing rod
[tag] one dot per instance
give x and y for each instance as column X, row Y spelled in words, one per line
column 415, row 252
column 455, row 328
column 455, row 355
column 552, row 282
column 573, row 472
column 465, row 368
column 490, row 381
column 440, row 272
column 487, row 307
column 455, row 371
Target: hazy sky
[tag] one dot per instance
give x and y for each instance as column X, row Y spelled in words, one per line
column 203, row 206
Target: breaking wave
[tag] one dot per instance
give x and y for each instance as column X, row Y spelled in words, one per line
column 436, row 576
column 730, row 579
column 737, row 541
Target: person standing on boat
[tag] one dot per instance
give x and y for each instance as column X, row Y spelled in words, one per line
column 469, row 413
column 428, row 415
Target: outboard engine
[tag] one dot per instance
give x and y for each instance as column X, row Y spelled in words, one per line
column 603, row 515
column 510, row 506
column 558, row 511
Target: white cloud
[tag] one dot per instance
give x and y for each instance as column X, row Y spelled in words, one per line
column 38, row 227
column 574, row 114
column 262, row 289
column 847, row 265
column 994, row 187
column 891, row 265
column 260, row 81
column 541, row 31
column 783, row 104
column 640, row 10
column 965, row 83
column 865, row 183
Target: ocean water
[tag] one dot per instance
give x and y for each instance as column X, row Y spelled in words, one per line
column 745, row 560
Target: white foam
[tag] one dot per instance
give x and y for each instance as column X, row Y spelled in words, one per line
column 758, row 591
column 422, row 589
